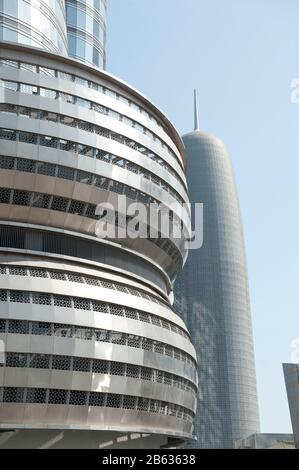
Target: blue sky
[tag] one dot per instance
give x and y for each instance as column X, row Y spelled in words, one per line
column 241, row 55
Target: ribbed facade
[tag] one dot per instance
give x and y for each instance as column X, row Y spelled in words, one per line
column 212, row 297
column 75, row 28
column 36, row 23
column 91, row 339
column 86, row 30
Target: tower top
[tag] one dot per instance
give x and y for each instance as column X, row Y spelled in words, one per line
column 196, row 118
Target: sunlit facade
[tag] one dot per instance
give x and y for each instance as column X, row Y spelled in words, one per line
column 213, row 299
column 38, row 24
column 86, row 31
column 75, row 28
column 95, row 355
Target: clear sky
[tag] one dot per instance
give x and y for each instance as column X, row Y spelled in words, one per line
column 241, row 55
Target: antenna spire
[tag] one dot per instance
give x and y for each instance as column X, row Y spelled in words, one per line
column 196, row 118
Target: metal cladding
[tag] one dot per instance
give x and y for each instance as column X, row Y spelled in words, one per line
column 91, row 340
column 212, row 297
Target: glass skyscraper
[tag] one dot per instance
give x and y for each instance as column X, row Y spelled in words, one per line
column 94, row 354
column 34, row 23
column 86, row 30
column 212, row 297
column 75, row 28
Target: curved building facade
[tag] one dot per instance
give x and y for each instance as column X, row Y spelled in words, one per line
column 212, row 297
column 34, row 23
column 86, row 30
column 91, row 340
column 75, row 28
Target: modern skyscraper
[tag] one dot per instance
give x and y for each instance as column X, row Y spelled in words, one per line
column 34, row 23
column 86, row 30
column 95, row 355
column 212, row 296
column 69, row 27
column 291, row 375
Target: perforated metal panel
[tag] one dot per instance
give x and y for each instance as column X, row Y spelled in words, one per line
column 87, row 323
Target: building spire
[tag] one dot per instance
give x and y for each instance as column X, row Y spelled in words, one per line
column 196, row 118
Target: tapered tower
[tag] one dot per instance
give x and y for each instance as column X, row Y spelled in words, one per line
column 212, row 296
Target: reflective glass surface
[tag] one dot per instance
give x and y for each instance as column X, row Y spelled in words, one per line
column 40, row 24
column 212, row 297
column 86, row 29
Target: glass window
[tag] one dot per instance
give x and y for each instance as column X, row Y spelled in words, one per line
column 8, row 108
column 96, row 57
column 67, row 145
column 28, row 67
column 101, row 35
column 48, row 141
column 68, row 121
column 10, row 35
column 72, row 44
column 111, row 93
column 71, row 14
column 81, row 19
column 28, row 112
column 10, row 7
column 48, row 116
column 9, row 63
column 47, row 71
column 80, row 48
column 81, row 81
column 9, row 85
column 66, row 97
column 83, row 103
column 48, row 93
column 30, row 89
column 65, row 76
column 96, row 29
column 96, row 4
